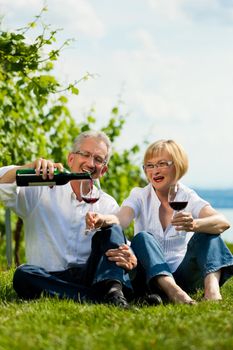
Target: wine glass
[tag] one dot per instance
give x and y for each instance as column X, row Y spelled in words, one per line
column 176, row 201
column 90, row 191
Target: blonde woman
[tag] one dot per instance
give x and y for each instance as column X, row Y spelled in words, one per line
column 177, row 252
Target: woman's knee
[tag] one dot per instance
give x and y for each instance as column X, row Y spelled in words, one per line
column 142, row 238
column 206, row 240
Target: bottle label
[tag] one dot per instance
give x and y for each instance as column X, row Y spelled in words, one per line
column 51, row 183
column 31, row 172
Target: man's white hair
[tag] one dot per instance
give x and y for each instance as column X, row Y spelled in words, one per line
column 93, row 134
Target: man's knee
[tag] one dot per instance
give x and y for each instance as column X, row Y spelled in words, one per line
column 111, row 237
column 19, row 273
column 22, row 281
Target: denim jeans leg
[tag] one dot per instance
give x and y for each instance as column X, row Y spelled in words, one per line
column 150, row 255
column 31, row 281
column 100, row 267
column 206, row 253
column 138, row 281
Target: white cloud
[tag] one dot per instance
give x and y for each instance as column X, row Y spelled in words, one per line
column 164, row 108
column 175, row 64
column 170, row 9
column 215, row 11
column 146, row 39
column 78, row 18
column 75, row 16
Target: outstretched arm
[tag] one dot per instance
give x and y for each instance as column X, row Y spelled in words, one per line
column 45, row 165
column 211, row 221
column 123, row 217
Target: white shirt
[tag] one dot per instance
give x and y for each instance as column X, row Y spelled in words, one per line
column 54, row 222
column 145, row 204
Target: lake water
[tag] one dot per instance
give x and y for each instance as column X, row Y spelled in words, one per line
column 222, row 201
column 228, row 234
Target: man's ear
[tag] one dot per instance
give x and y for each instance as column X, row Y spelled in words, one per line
column 70, row 159
column 103, row 170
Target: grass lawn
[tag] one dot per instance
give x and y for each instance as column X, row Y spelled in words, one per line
column 54, row 324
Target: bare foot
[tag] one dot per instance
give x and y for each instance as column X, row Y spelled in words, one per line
column 175, row 294
column 178, row 296
column 212, row 289
column 212, row 295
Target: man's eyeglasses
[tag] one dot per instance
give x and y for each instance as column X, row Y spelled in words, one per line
column 163, row 164
column 97, row 159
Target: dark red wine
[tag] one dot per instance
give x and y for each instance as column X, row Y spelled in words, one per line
column 178, row 205
column 90, row 200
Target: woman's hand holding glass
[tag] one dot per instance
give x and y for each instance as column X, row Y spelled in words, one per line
column 181, row 219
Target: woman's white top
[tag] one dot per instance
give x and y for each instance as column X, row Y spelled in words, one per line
column 145, row 204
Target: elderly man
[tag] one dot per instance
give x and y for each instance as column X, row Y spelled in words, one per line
column 62, row 260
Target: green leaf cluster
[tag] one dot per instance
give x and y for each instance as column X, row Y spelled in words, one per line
column 35, row 119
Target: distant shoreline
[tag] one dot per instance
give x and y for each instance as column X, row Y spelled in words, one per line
column 228, row 234
column 218, row 198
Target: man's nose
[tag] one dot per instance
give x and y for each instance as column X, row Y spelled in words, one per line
column 91, row 161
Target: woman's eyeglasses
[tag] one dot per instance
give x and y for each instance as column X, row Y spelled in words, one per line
column 163, row 164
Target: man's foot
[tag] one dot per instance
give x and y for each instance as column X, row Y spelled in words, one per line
column 116, row 298
column 153, row 299
column 150, row 300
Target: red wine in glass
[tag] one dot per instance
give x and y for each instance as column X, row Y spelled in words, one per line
column 178, row 205
column 174, row 200
column 90, row 200
column 90, row 191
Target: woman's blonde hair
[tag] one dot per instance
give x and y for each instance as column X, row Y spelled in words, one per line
column 175, row 151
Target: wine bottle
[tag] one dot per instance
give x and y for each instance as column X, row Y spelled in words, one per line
column 28, row 177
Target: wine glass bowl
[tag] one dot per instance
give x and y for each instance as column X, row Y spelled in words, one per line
column 174, row 201
column 90, row 192
column 177, row 201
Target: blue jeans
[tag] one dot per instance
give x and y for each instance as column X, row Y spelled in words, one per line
column 205, row 253
column 80, row 283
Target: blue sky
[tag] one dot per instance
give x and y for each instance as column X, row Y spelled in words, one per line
column 170, row 60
